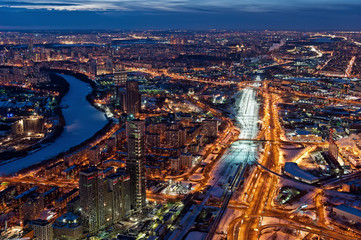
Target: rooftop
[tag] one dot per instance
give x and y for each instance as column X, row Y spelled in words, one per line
column 39, row 222
column 296, row 171
column 90, row 170
column 348, row 209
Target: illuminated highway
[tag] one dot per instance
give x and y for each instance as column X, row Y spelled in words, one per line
column 240, row 152
column 260, row 188
column 226, row 174
column 329, row 98
column 41, row 181
column 157, row 73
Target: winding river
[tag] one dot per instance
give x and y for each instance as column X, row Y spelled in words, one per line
column 82, row 121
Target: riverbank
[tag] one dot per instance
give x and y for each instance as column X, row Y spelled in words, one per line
column 56, row 84
column 81, row 77
column 87, row 142
column 83, row 124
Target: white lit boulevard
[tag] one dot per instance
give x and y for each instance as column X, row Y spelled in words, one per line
column 180, row 135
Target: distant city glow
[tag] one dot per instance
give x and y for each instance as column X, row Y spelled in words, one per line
column 182, row 14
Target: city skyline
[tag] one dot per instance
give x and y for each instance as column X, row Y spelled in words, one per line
column 180, row 119
column 185, row 14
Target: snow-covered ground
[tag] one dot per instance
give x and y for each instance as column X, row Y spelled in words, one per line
column 306, row 199
column 196, row 177
column 290, row 154
column 240, row 152
column 296, row 184
column 246, row 115
column 349, row 141
column 229, row 216
column 278, row 235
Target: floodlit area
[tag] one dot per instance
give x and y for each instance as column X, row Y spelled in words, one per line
column 177, row 188
column 240, row 152
column 234, row 159
column 12, row 233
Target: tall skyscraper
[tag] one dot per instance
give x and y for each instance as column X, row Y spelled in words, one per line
column 103, row 200
column 117, row 197
column 120, row 77
column 133, row 99
column 91, row 190
column 136, row 162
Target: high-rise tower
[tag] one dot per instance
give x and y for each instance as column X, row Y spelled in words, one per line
column 136, row 162
column 117, row 196
column 133, row 99
column 120, row 77
column 91, row 190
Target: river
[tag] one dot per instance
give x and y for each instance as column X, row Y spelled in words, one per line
column 82, row 121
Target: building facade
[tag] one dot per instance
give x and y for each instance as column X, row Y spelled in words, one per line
column 136, row 161
column 42, row 229
column 91, row 188
column 117, row 197
column 120, row 77
column 133, row 99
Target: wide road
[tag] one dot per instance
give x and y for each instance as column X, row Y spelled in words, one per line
column 175, row 76
column 228, row 173
column 224, row 173
column 260, row 188
column 240, row 153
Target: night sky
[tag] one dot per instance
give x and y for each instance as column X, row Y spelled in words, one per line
column 181, row 14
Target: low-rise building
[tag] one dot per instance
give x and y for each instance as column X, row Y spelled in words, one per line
column 67, row 227
column 294, row 171
column 348, row 212
column 304, row 136
column 42, row 229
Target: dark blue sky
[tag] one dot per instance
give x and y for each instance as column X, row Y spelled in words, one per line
column 181, row 14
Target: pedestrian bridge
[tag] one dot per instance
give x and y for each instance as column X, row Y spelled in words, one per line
column 279, row 141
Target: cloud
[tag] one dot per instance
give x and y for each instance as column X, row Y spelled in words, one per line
column 61, row 5
column 35, row 3
column 181, row 14
column 177, row 5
